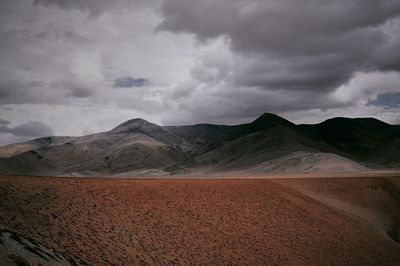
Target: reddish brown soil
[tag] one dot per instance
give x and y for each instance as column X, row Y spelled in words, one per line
column 372, row 200
column 128, row 222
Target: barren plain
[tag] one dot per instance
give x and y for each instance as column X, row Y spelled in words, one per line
column 278, row 221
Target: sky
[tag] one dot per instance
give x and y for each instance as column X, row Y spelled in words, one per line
column 78, row 67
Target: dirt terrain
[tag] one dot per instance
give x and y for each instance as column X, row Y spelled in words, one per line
column 297, row 221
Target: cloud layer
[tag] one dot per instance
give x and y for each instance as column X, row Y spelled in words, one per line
column 64, row 63
column 28, row 129
column 298, row 52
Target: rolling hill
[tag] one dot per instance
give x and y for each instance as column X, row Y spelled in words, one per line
column 269, row 144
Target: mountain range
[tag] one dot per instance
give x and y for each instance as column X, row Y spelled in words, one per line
column 269, row 144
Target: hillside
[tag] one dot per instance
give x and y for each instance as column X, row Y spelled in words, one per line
column 268, row 144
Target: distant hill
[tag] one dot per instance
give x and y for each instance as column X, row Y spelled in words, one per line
column 361, row 139
column 269, row 144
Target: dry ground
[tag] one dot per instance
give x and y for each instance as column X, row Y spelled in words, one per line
column 313, row 221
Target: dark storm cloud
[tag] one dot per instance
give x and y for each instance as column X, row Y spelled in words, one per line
column 28, row 129
column 240, row 58
column 306, row 45
column 71, row 88
column 386, row 100
column 94, row 7
column 4, row 123
column 129, row 82
column 40, row 92
column 17, row 92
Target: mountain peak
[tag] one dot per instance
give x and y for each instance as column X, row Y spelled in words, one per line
column 135, row 121
column 268, row 118
column 134, row 124
column 267, row 121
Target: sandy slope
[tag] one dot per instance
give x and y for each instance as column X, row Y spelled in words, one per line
column 375, row 201
column 253, row 222
column 308, row 162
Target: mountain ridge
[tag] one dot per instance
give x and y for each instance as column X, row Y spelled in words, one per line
column 269, row 142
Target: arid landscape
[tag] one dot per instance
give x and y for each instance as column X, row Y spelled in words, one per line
column 268, row 192
column 347, row 220
column 199, row 132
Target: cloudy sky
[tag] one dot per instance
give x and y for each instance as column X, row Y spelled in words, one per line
column 83, row 66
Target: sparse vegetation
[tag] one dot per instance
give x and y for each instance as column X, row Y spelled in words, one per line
column 243, row 221
column 388, row 186
column 19, row 260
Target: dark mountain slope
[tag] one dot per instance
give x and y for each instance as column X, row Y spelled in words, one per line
column 268, row 143
column 266, row 138
column 356, row 138
column 203, row 137
column 386, row 154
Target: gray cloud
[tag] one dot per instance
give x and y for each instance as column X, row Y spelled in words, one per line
column 306, row 60
column 4, row 123
column 95, row 7
column 35, row 67
column 299, row 45
column 28, row 129
column 72, row 87
column 42, row 92
column 25, row 91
